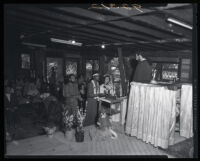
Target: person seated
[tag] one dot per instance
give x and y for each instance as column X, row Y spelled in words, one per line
column 26, row 86
column 19, row 83
column 12, row 86
column 10, row 104
column 32, row 89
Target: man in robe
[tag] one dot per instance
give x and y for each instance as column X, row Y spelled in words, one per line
column 93, row 91
column 143, row 72
column 71, row 94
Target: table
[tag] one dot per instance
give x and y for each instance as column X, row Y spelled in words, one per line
column 112, row 103
column 151, row 114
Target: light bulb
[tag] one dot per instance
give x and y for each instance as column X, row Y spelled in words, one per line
column 102, row 46
column 73, row 41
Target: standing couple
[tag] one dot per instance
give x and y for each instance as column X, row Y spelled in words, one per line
column 94, row 90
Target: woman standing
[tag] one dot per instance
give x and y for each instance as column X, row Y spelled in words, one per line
column 107, row 87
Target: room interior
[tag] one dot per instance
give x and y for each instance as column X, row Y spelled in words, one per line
column 89, row 38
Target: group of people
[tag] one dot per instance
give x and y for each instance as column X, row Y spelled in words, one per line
column 73, row 93
column 76, row 95
column 84, row 95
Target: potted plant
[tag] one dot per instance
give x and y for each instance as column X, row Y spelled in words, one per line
column 68, row 123
column 50, row 128
column 80, row 117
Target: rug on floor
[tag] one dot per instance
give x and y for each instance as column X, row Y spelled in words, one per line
column 182, row 149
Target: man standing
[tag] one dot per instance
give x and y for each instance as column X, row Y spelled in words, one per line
column 92, row 95
column 143, row 72
column 71, row 94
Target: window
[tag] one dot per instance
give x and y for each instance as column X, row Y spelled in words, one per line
column 166, row 71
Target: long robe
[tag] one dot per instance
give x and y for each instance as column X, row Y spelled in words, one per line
column 91, row 109
column 71, row 94
column 143, row 72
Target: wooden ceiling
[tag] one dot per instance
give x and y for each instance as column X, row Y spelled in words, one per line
column 147, row 30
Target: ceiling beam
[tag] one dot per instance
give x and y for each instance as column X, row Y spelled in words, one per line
column 159, row 23
column 134, row 27
column 79, row 21
column 68, row 27
column 56, row 29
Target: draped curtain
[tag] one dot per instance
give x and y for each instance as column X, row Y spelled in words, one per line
column 151, row 114
column 186, row 112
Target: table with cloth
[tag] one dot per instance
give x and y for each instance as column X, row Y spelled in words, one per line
column 151, row 114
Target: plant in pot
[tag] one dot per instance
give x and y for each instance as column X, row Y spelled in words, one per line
column 50, row 128
column 51, row 117
column 80, row 117
column 68, row 123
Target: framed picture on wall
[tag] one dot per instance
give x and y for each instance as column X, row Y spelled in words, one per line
column 25, row 61
column 71, row 67
column 92, row 66
column 54, row 69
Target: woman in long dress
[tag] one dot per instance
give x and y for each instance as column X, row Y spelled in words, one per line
column 92, row 95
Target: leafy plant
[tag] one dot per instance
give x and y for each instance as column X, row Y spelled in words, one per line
column 80, row 118
column 68, row 120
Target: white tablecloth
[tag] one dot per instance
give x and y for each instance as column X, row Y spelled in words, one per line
column 151, row 114
column 186, row 112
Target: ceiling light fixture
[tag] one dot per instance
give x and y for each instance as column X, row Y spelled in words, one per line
column 35, row 45
column 102, row 46
column 69, row 42
column 177, row 22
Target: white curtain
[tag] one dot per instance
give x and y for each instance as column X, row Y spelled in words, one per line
column 123, row 110
column 151, row 114
column 186, row 112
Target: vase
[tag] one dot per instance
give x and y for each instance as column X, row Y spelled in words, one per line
column 79, row 135
column 69, row 135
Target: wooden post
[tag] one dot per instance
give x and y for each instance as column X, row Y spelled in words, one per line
column 122, row 72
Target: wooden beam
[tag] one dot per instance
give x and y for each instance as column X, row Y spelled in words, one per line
column 56, row 16
column 157, row 23
column 84, row 24
column 113, row 37
column 71, row 20
column 101, row 18
column 58, row 29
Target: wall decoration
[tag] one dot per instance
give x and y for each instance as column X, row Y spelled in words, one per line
column 70, row 67
column 92, row 66
column 25, row 61
column 57, row 65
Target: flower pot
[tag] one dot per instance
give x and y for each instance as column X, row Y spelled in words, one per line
column 79, row 135
column 69, row 135
column 50, row 131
